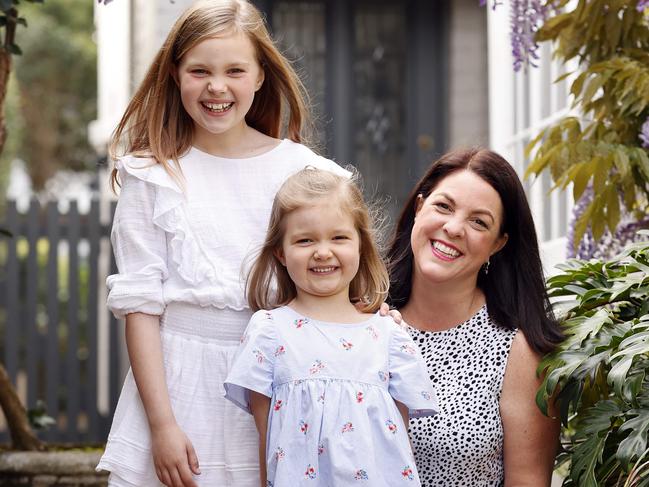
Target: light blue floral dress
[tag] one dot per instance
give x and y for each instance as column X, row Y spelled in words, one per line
column 333, row 420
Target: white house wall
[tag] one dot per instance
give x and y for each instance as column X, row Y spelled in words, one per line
column 520, row 106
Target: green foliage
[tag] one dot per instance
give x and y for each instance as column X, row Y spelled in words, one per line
column 610, row 40
column 9, row 19
column 600, row 374
column 57, row 89
column 38, row 418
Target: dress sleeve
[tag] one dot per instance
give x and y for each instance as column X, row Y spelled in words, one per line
column 140, row 250
column 323, row 163
column 253, row 366
column 409, row 380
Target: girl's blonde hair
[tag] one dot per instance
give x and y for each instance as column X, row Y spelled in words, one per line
column 156, row 125
column 309, row 186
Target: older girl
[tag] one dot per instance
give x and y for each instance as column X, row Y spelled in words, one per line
column 203, row 162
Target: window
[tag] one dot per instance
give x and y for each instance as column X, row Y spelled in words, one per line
column 521, row 105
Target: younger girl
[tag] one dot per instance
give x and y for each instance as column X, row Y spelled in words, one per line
column 321, row 377
column 204, row 162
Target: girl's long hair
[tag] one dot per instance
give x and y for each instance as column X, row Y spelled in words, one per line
column 156, row 125
column 514, row 287
column 269, row 284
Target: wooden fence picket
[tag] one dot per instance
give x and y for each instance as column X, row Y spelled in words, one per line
column 48, row 334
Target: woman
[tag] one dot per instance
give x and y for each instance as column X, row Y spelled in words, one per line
column 466, row 275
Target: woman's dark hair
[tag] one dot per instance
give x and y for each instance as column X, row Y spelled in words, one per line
column 514, row 287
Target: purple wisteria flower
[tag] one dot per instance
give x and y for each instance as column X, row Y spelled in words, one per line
column 642, row 5
column 644, row 130
column 526, row 17
column 609, row 245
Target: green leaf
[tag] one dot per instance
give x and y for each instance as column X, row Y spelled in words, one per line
column 585, row 458
column 612, row 209
column 593, row 86
column 583, row 173
column 576, row 87
column 621, row 160
column 14, row 49
column 601, row 173
column 634, row 445
column 617, row 375
column 582, row 224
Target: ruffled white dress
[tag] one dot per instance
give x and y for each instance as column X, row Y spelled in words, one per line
column 333, row 421
column 181, row 254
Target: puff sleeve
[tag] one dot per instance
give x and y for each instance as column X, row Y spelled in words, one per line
column 140, row 249
column 253, row 366
column 409, row 381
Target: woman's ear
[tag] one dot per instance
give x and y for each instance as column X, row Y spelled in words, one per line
column 500, row 243
column 419, row 202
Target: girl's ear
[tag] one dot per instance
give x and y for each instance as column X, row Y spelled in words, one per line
column 174, row 74
column 260, row 78
column 279, row 254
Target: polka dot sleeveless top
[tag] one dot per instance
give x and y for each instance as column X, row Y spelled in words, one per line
column 463, row 445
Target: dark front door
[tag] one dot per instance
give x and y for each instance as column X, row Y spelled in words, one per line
column 376, row 72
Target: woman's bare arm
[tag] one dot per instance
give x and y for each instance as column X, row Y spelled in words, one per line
column 531, row 438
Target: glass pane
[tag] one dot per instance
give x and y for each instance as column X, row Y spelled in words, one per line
column 380, row 97
column 299, row 29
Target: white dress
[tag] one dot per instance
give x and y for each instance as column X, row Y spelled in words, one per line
column 333, row 421
column 181, row 254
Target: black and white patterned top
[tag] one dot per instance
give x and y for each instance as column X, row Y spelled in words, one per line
column 463, row 444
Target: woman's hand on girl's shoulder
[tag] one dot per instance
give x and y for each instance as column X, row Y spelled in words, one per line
column 385, row 310
column 174, row 457
column 531, row 439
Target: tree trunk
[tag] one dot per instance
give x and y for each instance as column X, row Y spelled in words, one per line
column 22, row 436
column 5, row 68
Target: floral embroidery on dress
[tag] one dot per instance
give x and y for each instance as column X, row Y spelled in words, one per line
column 383, row 376
column 310, row 472
column 348, row 427
column 409, row 349
column 304, row 427
column 260, row 356
column 392, row 428
column 321, row 398
column 361, row 475
column 279, row 454
column 244, row 338
column 300, row 322
column 373, row 333
column 407, row 473
column 316, row 367
column 426, row 395
column 268, row 315
column 278, row 405
column 346, row 345
column 280, row 351
column 321, row 448
column 359, row 397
